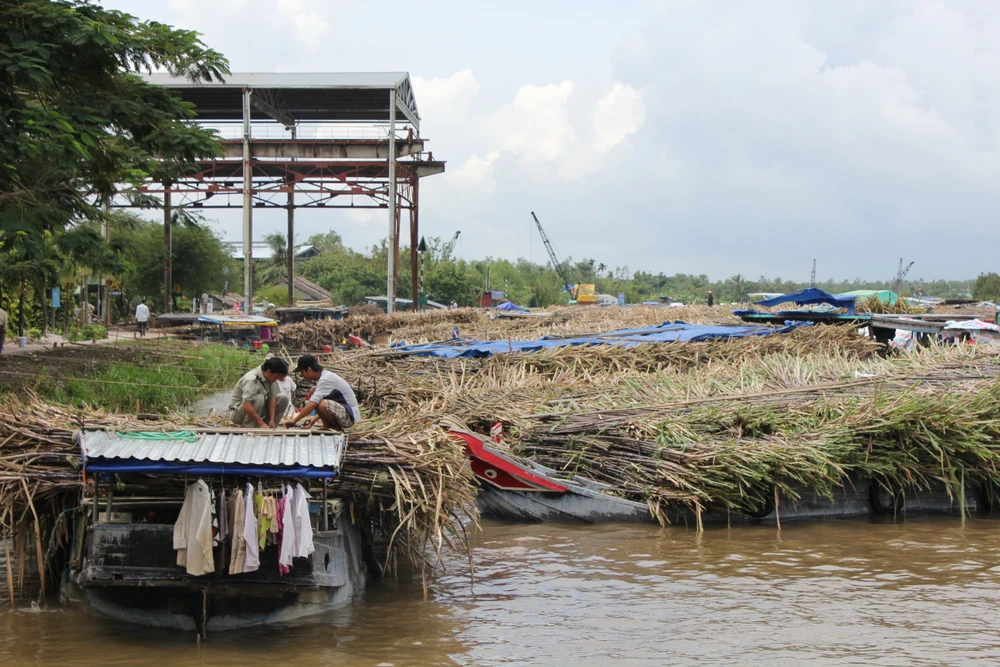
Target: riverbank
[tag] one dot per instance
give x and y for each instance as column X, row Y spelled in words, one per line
column 153, row 376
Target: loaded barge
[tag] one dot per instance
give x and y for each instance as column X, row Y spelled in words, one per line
column 151, row 496
column 518, row 489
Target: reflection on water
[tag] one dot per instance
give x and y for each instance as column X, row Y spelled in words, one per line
column 921, row 593
column 213, row 404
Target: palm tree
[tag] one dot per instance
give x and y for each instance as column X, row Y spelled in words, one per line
column 737, row 283
column 277, row 267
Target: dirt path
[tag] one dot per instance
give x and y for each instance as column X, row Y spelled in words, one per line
column 114, row 336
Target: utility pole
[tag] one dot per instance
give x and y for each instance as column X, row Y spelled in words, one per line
column 812, row 278
column 168, row 269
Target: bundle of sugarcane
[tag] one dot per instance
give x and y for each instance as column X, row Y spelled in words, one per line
column 313, row 335
column 734, row 453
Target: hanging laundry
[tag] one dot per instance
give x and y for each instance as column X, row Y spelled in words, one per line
column 264, row 519
column 275, row 528
column 287, row 548
column 249, row 534
column 193, row 531
column 237, row 512
column 225, row 530
column 303, row 524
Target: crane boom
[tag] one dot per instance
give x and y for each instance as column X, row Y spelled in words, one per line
column 556, row 264
column 450, row 245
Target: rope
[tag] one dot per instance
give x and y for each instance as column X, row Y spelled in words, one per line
column 132, row 384
column 186, row 436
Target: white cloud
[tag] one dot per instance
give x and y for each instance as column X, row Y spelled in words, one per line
column 445, row 97
column 310, row 29
column 617, row 115
column 536, row 126
column 475, row 173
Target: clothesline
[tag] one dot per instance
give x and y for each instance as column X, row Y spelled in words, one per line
column 215, row 533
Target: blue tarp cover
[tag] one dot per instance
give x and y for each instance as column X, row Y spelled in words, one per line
column 810, row 296
column 117, row 465
column 667, row 332
column 510, row 305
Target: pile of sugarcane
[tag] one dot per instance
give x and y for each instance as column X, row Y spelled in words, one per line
column 709, row 425
column 734, row 452
column 486, row 324
column 314, row 334
column 409, row 484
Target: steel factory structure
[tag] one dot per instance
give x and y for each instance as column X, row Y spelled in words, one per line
column 317, row 140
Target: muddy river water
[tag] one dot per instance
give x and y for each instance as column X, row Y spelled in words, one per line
column 921, row 592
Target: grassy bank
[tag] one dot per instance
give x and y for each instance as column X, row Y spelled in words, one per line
column 145, row 376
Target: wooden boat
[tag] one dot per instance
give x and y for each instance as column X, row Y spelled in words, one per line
column 123, row 564
column 522, row 490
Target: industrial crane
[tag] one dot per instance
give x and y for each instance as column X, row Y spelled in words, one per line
column 556, row 264
column 900, row 274
column 450, row 245
column 582, row 294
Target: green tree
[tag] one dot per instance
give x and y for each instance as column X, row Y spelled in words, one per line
column 77, row 123
column 987, row 287
column 200, row 265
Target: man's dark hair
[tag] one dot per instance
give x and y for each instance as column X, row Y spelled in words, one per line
column 308, row 362
column 276, row 365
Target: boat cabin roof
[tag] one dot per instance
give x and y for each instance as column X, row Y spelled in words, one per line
column 214, row 452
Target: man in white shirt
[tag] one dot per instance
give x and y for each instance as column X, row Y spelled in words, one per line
column 142, row 317
column 332, row 398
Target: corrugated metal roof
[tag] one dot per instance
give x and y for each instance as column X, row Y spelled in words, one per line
column 300, row 96
column 313, row 450
column 240, row 80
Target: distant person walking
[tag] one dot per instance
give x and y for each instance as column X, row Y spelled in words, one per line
column 711, row 298
column 3, row 327
column 142, row 317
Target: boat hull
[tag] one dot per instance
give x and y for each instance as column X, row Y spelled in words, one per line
column 129, row 574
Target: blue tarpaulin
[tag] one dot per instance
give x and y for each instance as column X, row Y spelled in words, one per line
column 810, row 296
column 667, row 332
column 118, row 465
column 510, row 305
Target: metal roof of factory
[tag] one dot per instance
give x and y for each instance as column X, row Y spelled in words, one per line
column 293, row 97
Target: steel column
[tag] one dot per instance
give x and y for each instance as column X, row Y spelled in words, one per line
column 414, row 241
column 168, row 244
column 390, row 289
column 247, row 209
column 290, row 243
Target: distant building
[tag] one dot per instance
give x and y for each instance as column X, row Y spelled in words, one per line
column 306, row 290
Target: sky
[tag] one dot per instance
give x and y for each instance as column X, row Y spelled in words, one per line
column 684, row 136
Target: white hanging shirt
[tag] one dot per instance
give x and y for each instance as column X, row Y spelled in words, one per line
column 287, row 549
column 193, row 531
column 252, row 559
column 303, row 525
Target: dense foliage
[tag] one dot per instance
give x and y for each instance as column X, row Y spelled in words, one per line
column 78, row 124
column 351, row 275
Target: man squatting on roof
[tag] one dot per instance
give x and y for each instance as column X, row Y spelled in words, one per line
column 257, row 400
column 332, row 398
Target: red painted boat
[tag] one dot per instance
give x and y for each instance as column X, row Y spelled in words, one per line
column 523, row 490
